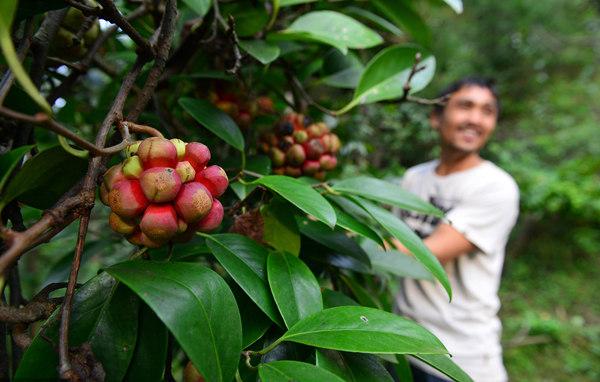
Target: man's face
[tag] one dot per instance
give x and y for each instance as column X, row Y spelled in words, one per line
column 468, row 119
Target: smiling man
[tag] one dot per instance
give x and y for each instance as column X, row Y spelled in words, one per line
column 481, row 203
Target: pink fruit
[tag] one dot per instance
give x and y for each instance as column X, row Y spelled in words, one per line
column 127, row 199
column 193, row 202
column 197, row 154
column 335, row 143
column 121, row 225
column 328, row 162
column 310, row 167
column 157, row 152
column 159, row 222
column 160, row 184
column 186, row 171
column 111, row 176
column 213, row 219
column 314, row 131
column 215, row 179
column 295, row 156
column 314, row 149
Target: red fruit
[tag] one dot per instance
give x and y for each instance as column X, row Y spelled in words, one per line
column 159, row 222
column 211, row 221
column 121, row 225
column 127, row 199
column 326, row 140
column 314, row 149
column 186, row 171
column 295, row 156
column 160, row 184
column 279, row 170
column 157, row 152
column 328, row 162
column 111, row 176
column 293, row 171
column 197, row 154
column 215, row 179
column 310, row 167
column 228, row 107
column 319, row 175
column 265, row 105
column 193, row 202
column 244, row 118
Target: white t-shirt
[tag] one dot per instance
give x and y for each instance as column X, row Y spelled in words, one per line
column 483, row 204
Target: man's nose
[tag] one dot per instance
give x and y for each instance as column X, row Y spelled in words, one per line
column 475, row 117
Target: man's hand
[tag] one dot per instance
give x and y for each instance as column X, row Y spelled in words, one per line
column 446, row 243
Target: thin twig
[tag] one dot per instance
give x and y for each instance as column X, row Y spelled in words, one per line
column 237, row 56
column 112, row 14
column 414, row 70
column 65, row 370
column 142, row 129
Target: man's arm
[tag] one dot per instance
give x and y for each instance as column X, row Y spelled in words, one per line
column 446, row 243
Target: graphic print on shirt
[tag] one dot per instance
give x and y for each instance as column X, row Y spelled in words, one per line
column 423, row 225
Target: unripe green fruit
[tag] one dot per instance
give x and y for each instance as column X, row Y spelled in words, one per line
column 300, row 136
column 180, row 146
column 160, row 184
column 132, row 167
column 91, row 35
column 157, row 152
column 295, row 156
column 73, row 20
column 186, row 171
column 132, row 149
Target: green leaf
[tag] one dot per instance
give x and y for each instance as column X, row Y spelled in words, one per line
column 260, row 164
column 334, row 239
column 287, row 3
column 380, row 21
column 385, row 192
column 215, row 120
column 362, row 295
column 402, row 368
column 104, row 314
column 9, row 161
column 353, row 367
column 250, row 18
column 333, row 298
column 261, row 50
column 411, row 241
column 245, row 261
column 7, row 11
column 254, row 322
column 394, row 262
column 456, row 5
column 197, row 307
column 445, row 364
column 294, row 286
column 279, row 229
column 150, row 354
column 301, row 195
column 201, row 7
column 332, row 28
column 350, row 223
column 363, row 330
column 342, row 71
column 401, row 12
column 386, row 74
column 286, row 371
column 44, row 178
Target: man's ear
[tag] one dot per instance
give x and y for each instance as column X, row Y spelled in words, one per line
column 435, row 120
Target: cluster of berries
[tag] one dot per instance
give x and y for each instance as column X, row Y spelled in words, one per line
column 242, row 110
column 163, row 191
column 299, row 147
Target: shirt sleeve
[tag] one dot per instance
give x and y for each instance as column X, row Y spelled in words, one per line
column 487, row 216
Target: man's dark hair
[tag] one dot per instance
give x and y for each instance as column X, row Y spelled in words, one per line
column 488, row 83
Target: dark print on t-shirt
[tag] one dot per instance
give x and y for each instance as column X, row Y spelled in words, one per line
column 423, row 225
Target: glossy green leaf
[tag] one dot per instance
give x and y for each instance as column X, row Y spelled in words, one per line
column 336, row 239
column 215, row 120
column 411, row 241
column 279, row 226
column 402, row 368
column 254, row 322
column 342, row 71
column 285, row 371
column 261, row 50
column 294, row 287
column 386, row 74
column 333, row 298
column 150, row 354
column 104, row 314
column 456, row 5
column 360, row 293
column 350, row 223
column 44, row 178
column 445, row 364
column 353, row 367
column 363, row 330
column 7, row 11
column 9, row 161
column 385, row 192
column 196, row 305
column 260, row 164
column 394, row 262
column 301, row 195
column 402, row 13
column 332, row 28
column 201, row 7
column 245, row 260
column 372, row 17
column 196, row 247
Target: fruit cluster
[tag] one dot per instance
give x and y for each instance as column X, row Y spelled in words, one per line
column 66, row 44
column 241, row 109
column 163, row 191
column 299, row 147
